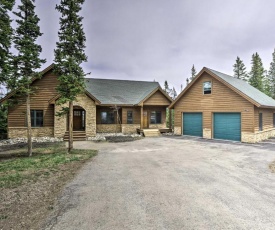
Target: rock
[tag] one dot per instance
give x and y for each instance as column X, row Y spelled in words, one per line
column 18, row 140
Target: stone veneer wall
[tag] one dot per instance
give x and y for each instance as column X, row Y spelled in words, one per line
column 60, row 123
column 130, row 128
column 207, row 133
column 258, row 136
column 177, row 130
column 108, row 128
column 15, row 132
column 157, row 126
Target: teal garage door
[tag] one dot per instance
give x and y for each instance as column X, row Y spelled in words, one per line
column 192, row 124
column 227, row 126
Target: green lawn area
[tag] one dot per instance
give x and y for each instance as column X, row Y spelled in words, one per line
column 45, row 160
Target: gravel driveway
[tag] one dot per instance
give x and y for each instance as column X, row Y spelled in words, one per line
column 171, row 183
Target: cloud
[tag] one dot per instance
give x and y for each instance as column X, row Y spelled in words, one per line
column 161, row 40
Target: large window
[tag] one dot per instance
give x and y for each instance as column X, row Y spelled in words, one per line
column 155, row 117
column 130, row 117
column 107, row 117
column 260, row 122
column 207, row 87
column 37, row 118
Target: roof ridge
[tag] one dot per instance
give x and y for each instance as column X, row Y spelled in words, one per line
column 121, row 80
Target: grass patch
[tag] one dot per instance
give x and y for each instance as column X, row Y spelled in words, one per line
column 43, row 163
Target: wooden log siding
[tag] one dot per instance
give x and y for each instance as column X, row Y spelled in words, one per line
column 136, row 114
column 221, row 99
column 45, row 89
column 267, row 119
column 157, row 99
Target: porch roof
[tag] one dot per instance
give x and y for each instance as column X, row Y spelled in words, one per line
column 122, row 92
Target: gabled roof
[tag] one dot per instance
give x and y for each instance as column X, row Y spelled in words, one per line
column 121, row 92
column 241, row 87
column 110, row 92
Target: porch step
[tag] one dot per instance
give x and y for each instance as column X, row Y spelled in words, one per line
column 77, row 136
column 151, row 132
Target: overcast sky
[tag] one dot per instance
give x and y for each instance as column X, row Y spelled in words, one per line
column 161, row 39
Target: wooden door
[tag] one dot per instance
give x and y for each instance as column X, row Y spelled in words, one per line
column 78, row 120
column 145, row 119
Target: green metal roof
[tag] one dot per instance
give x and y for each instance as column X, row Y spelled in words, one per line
column 121, row 92
column 246, row 88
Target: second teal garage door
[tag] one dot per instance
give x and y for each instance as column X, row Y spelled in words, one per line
column 227, row 126
column 192, row 124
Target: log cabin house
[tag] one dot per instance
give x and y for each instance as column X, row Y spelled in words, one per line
column 107, row 106
column 216, row 105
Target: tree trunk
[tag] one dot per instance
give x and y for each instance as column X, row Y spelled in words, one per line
column 71, row 108
column 29, row 129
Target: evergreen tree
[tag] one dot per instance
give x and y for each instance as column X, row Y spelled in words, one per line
column 271, row 76
column 28, row 61
column 6, row 33
column 257, row 73
column 240, row 70
column 69, row 55
column 193, row 73
column 166, row 87
column 173, row 93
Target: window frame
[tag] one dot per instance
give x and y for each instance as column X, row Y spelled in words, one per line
column 211, row 86
column 108, row 122
column 155, row 120
column 130, row 121
column 260, row 122
column 34, row 118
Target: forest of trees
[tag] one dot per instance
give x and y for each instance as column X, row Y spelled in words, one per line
column 263, row 80
column 20, row 67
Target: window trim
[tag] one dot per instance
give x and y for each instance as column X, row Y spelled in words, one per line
column 210, row 88
column 260, row 122
column 273, row 120
column 155, row 118
column 34, row 124
column 132, row 122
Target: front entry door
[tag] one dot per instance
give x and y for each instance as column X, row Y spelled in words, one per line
column 79, row 120
column 145, row 119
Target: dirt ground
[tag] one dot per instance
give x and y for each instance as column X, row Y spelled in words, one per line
column 25, row 206
column 170, row 183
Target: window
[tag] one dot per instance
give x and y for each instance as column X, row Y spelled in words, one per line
column 207, row 87
column 260, row 122
column 155, row 117
column 274, row 120
column 107, row 117
column 37, row 118
column 129, row 117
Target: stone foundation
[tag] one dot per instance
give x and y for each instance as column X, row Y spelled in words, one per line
column 207, row 134
column 36, row 132
column 130, row 128
column 157, row 126
column 177, row 130
column 108, row 128
column 257, row 137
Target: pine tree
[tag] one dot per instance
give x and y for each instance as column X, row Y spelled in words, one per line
column 271, row 76
column 173, row 93
column 28, row 61
column 257, row 73
column 193, row 73
column 69, row 55
column 6, row 33
column 166, row 87
column 240, row 70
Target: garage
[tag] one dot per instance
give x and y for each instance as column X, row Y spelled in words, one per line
column 192, row 124
column 227, row 126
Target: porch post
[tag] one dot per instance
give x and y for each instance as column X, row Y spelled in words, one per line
column 170, row 119
column 141, row 117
